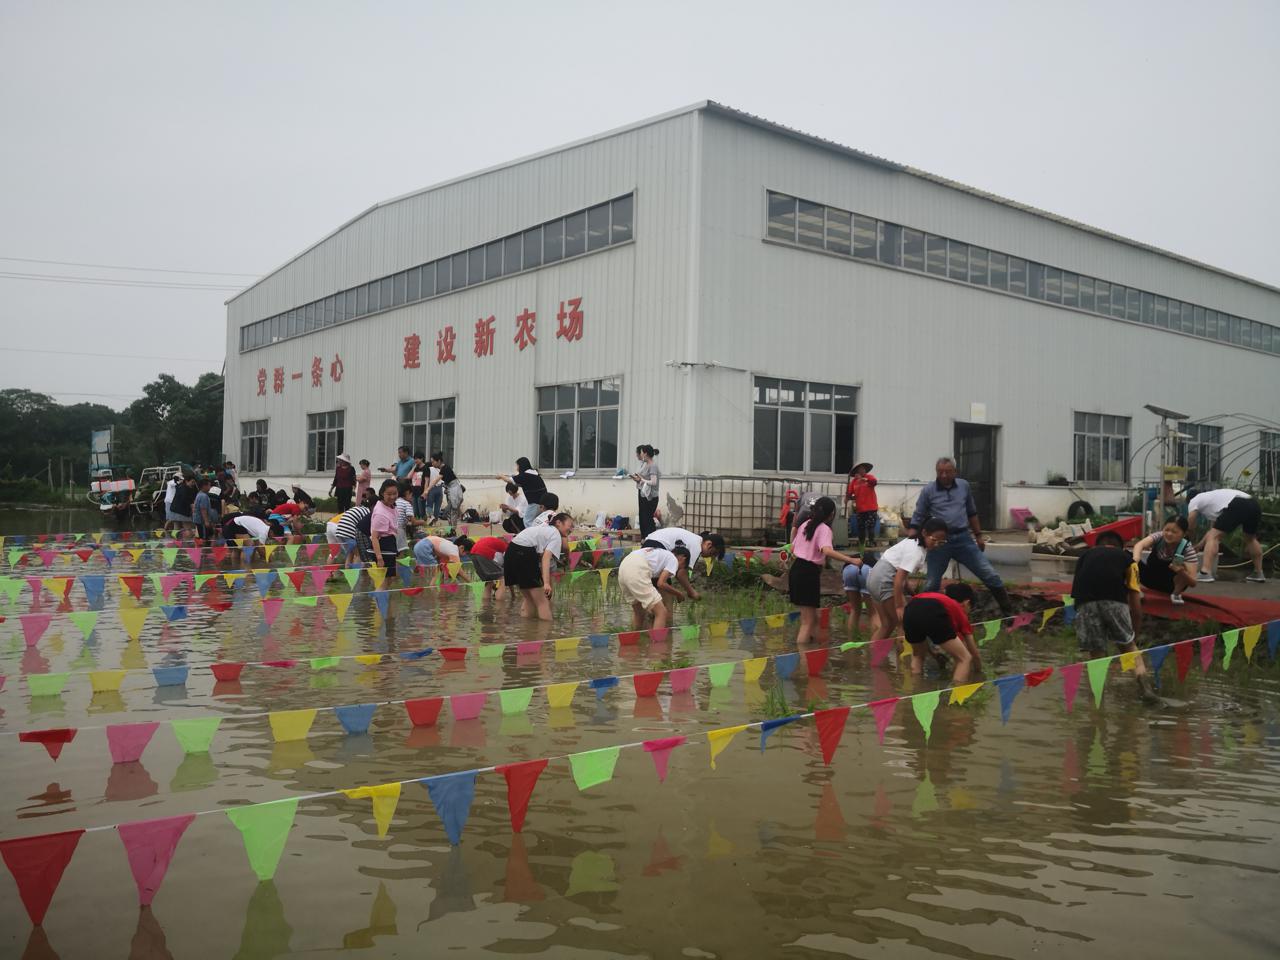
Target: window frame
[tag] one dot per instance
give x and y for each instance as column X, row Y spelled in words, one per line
column 1081, row 436
column 576, row 413
column 811, row 408
column 248, row 463
column 429, row 425
column 335, row 437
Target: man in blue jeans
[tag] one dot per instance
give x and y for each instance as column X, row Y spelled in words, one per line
column 950, row 499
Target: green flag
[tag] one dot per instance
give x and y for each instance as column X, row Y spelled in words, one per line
column 85, row 620
column 308, row 601
column 1229, row 640
column 517, row 700
column 195, row 735
column 690, row 631
column 170, row 554
column 352, row 574
column 720, row 673
column 9, row 585
column 264, row 828
column 594, row 766
column 491, row 651
column 46, row 684
column 1098, row 677
column 924, row 704
column 291, row 551
column 324, row 663
column 992, row 627
column 15, row 556
column 203, row 578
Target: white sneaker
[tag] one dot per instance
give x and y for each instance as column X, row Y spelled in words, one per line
column 1203, row 577
column 1176, row 598
column 1255, row 578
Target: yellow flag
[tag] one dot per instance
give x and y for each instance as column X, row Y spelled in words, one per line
column 385, row 796
column 340, row 603
column 136, row 555
column 290, row 724
column 963, row 693
column 230, row 578
column 106, row 681
column 561, row 694
column 1251, row 637
column 719, row 739
column 133, row 618
column 707, row 562
column 269, row 549
column 604, row 577
column 369, row 659
column 566, row 646
column 720, row 629
column 776, row 619
column 751, row 669
column 1128, row 660
column 1047, row 616
column 377, row 575
column 906, row 648
column 452, row 569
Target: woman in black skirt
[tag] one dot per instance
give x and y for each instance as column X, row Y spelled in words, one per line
column 528, row 563
column 810, row 547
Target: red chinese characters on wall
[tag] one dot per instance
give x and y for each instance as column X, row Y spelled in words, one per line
column 570, row 321
column 262, row 381
column 412, row 352
column 277, row 380
column 525, row 326
column 317, row 375
column 335, row 369
column 317, row 371
column 484, row 337
column 445, row 340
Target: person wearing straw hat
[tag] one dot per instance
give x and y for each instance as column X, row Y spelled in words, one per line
column 861, row 493
column 344, row 481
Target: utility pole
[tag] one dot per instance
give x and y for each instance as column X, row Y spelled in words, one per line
column 1168, row 471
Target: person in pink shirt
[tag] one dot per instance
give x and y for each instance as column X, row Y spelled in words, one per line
column 383, row 524
column 364, row 477
column 810, row 548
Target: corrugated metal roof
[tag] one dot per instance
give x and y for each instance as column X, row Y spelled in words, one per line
column 741, row 116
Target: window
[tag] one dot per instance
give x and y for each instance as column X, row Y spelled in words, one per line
column 493, row 260
column 532, row 248
column 427, row 426
column 978, row 266
column 802, row 427
column 553, row 241
column 578, row 425
column 913, row 249
column 1086, row 293
column 598, row 227
column 936, row 255
column 324, row 439
column 253, row 446
column 1070, row 290
column 475, row 267
column 1200, row 452
column 782, row 217
column 1018, row 276
column 838, row 231
column 957, row 260
column 1053, row 284
column 864, row 237
column 999, row 271
column 890, row 244
column 1269, row 460
column 810, row 218
column 1035, row 280
column 622, row 217
column 1101, row 448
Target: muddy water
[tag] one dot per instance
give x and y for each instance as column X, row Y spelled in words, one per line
column 36, row 520
column 1106, row 830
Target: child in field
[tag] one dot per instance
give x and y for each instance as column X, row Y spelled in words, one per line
column 644, row 576
column 1108, row 603
column 528, row 564
column 810, row 547
column 942, row 620
column 887, row 583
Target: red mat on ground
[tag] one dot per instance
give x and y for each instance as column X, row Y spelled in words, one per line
column 1228, row 611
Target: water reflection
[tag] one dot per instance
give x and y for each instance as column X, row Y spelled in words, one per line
column 453, row 888
column 129, row 781
column 197, row 770
column 148, row 941
column 266, row 932
column 382, row 922
column 519, row 886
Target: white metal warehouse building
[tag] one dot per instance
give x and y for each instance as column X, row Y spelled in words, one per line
column 757, row 303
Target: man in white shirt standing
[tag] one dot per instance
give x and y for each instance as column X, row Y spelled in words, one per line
column 1223, row 511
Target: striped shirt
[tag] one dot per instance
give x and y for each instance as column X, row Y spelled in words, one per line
column 404, row 513
column 348, row 525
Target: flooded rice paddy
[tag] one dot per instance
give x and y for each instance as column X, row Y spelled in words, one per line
column 1109, row 830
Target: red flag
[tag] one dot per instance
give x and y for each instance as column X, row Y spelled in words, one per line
column 134, row 584
column 219, row 554
column 53, row 740
column 149, row 846
column 411, row 591
column 226, row 671
column 1070, row 682
column 37, row 864
column 297, row 578
column 424, row 711
column 1037, row 677
column 218, row 606
column 831, row 729
column 816, row 659
column 646, row 684
column 628, row 638
column 661, row 751
column 334, row 550
column 453, row 653
column 1183, row 653
column 84, row 555
column 824, row 617
column 883, row 711
column 521, row 778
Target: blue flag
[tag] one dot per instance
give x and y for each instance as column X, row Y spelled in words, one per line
column 601, row 684
column 748, row 625
column 1009, row 688
column 108, row 555
column 93, row 588
column 784, row 664
column 175, row 612
column 1273, row 637
column 264, row 581
column 769, row 726
column 417, row 654
column 383, row 600
column 451, row 795
column 355, row 718
column 170, row 676
column 406, row 575
column 1157, row 655
column 599, row 639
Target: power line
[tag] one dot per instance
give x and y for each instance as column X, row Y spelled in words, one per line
column 113, row 282
column 108, row 266
column 115, row 356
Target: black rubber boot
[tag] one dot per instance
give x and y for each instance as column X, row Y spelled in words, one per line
column 1002, row 598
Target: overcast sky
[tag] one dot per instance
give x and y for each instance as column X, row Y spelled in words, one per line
column 225, row 137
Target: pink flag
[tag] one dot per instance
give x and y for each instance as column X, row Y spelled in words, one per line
column 1206, row 651
column 529, row 648
column 880, row 649
column 46, row 556
column 33, row 626
column 1070, row 682
column 127, row 740
column 310, row 550
column 574, row 557
column 1021, row 620
column 150, row 845
column 883, row 711
column 194, row 553
column 682, row 679
column 271, row 609
column 467, row 706
column 167, row 582
column 37, row 585
column 661, row 752
column 659, row 634
column 319, row 576
column 766, row 555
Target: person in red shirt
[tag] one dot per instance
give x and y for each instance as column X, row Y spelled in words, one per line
column 943, row 620
column 486, row 555
column 866, row 508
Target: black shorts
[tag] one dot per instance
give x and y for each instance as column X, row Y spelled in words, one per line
column 1242, row 512
column 522, row 567
column 1156, row 574
column 804, row 583
column 486, row 569
column 925, row 620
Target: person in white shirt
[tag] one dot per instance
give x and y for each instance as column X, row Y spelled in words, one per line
column 644, row 576
column 707, row 544
column 513, row 509
column 170, row 490
column 887, row 582
column 1223, row 511
column 528, row 564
